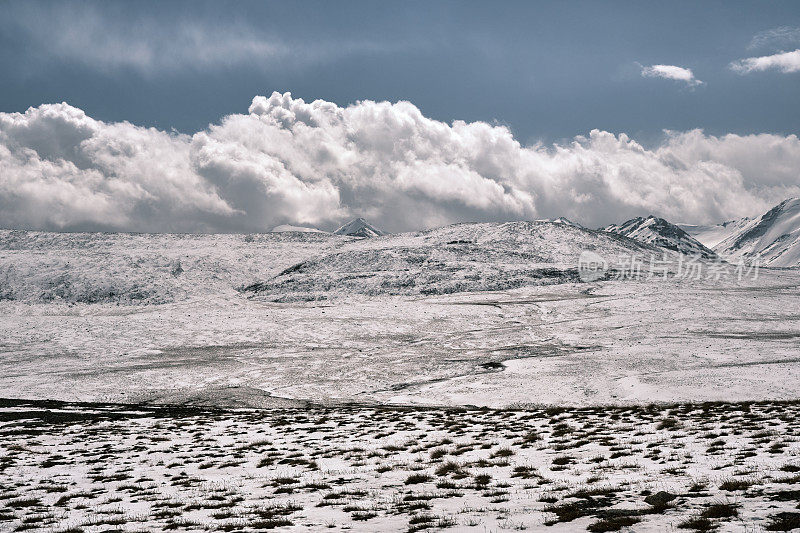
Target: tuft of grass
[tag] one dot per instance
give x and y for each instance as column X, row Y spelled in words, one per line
column 732, row 485
column 502, row 452
column 613, row 523
column 787, row 521
column 363, row 516
column 482, row 479
column 720, row 510
column 660, row 500
column 448, row 467
column 438, row 453
column 415, row 479
column 530, row 436
column 668, row 423
column 697, row 523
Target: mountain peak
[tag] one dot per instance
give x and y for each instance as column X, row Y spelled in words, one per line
column 660, row 232
column 359, row 227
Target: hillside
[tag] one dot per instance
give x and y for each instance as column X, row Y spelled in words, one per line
column 457, row 258
column 130, row 268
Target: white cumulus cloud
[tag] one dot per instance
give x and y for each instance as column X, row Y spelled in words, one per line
column 671, row 72
column 786, row 62
column 287, row 161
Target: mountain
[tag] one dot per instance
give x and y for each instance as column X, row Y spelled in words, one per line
column 773, row 238
column 659, row 232
column 359, row 228
column 713, row 234
column 302, row 229
column 464, row 257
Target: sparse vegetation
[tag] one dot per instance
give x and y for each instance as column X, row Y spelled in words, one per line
column 284, row 457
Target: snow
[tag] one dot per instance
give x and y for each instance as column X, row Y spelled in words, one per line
column 359, row 228
column 659, row 232
column 713, row 234
column 146, row 269
column 534, row 340
column 456, row 258
column 363, row 355
column 773, row 238
column 130, row 268
column 398, row 469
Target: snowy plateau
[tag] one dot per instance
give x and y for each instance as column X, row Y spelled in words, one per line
column 465, row 377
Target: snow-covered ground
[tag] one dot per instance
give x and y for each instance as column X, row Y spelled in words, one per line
column 370, row 357
column 548, row 339
column 696, row 467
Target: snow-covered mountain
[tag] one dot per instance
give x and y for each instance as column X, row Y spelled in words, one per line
column 713, row 234
column 773, row 238
column 359, row 228
column 302, row 229
column 659, row 232
column 144, row 269
column 458, row 258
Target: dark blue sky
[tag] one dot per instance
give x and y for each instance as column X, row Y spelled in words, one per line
column 547, row 70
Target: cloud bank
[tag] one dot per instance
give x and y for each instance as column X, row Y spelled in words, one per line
column 287, row 161
column 671, row 72
column 786, row 62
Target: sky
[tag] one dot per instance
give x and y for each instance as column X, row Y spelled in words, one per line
column 219, row 116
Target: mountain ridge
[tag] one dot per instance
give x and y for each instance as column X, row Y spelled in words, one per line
column 773, row 238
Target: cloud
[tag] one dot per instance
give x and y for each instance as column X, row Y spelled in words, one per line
column 108, row 39
column 671, row 72
column 287, row 161
column 786, row 62
column 781, row 37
